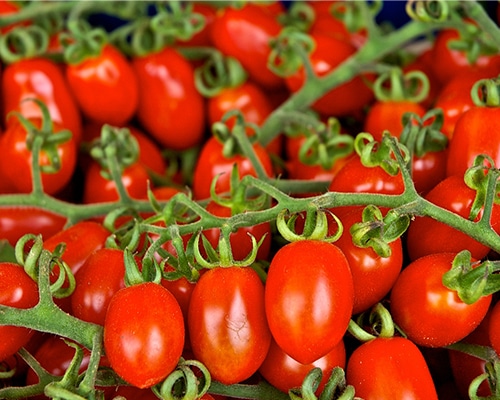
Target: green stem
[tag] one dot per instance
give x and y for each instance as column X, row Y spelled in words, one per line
column 261, row 391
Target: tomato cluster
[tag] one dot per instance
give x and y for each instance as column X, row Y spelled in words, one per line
column 189, row 204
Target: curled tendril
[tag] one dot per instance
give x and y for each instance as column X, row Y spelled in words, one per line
column 23, row 42
column 177, row 20
column 82, row 41
column 395, row 85
column 428, row 10
column 335, row 388
column 486, row 92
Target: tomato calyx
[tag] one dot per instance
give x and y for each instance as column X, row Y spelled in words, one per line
column 378, row 231
column 353, row 15
column 425, row 11
column 82, row 41
column 299, row 15
column 486, row 92
column 23, row 42
column 472, row 280
column 395, row 85
column 335, row 388
column 376, row 322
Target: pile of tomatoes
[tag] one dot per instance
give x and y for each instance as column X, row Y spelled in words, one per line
column 206, row 196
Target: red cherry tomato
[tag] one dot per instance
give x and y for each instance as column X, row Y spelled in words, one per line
column 143, row 334
column 16, row 160
column 427, row 236
column 346, row 99
column 309, row 298
column 284, row 373
column 18, row 221
column 428, row 170
column 244, row 33
column 170, row 107
column 388, row 369
column 425, row 309
column 17, row 290
column 227, row 323
column 42, row 79
column 212, row 162
column 105, row 86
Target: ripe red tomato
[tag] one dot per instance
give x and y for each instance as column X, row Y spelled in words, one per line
column 16, row 160
column 426, row 235
column 493, row 329
column 472, row 136
column 428, row 170
column 373, row 276
column 10, row 7
column 18, row 221
column 244, row 33
column 18, row 290
column 99, row 278
column 346, row 99
column 99, row 189
column 309, row 298
column 42, row 79
column 227, row 323
column 241, row 242
column 143, row 334
column 425, row 309
column 284, row 373
column 170, row 107
column 212, row 162
column 388, row 369
column 105, row 86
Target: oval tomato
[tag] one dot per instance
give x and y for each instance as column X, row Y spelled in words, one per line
column 17, row 290
column 143, row 334
column 388, row 369
column 309, row 298
column 426, row 235
column 43, row 79
column 425, row 309
column 212, row 162
column 346, row 99
column 18, row 221
column 227, row 323
column 285, row 373
column 244, row 33
column 16, row 160
column 105, row 86
column 170, row 107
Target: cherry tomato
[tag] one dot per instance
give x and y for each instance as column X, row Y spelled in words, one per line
column 17, row 290
column 18, row 221
column 429, row 169
column 427, row 236
column 390, row 368
column 425, row 309
column 212, row 162
column 227, row 323
column 100, row 277
column 99, row 189
column 105, row 86
column 42, row 79
column 373, row 276
column 309, row 298
column 241, row 242
column 16, row 160
column 244, row 33
column 170, row 107
column 284, row 373
column 143, row 333
column 346, row 99
column 476, row 132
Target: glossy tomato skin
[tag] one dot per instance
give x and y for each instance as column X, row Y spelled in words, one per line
column 18, row 221
column 244, row 33
column 429, row 169
column 285, row 373
column 211, row 162
column 477, row 131
column 373, row 276
column 390, row 368
column 98, row 189
column 428, row 236
column 227, row 323
column 170, row 107
column 241, row 242
column 105, row 86
column 100, row 277
column 17, row 290
column 143, row 333
column 16, row 160
column 425, row 309
column 42, row 79
column 346, row 99
column 309, row 298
